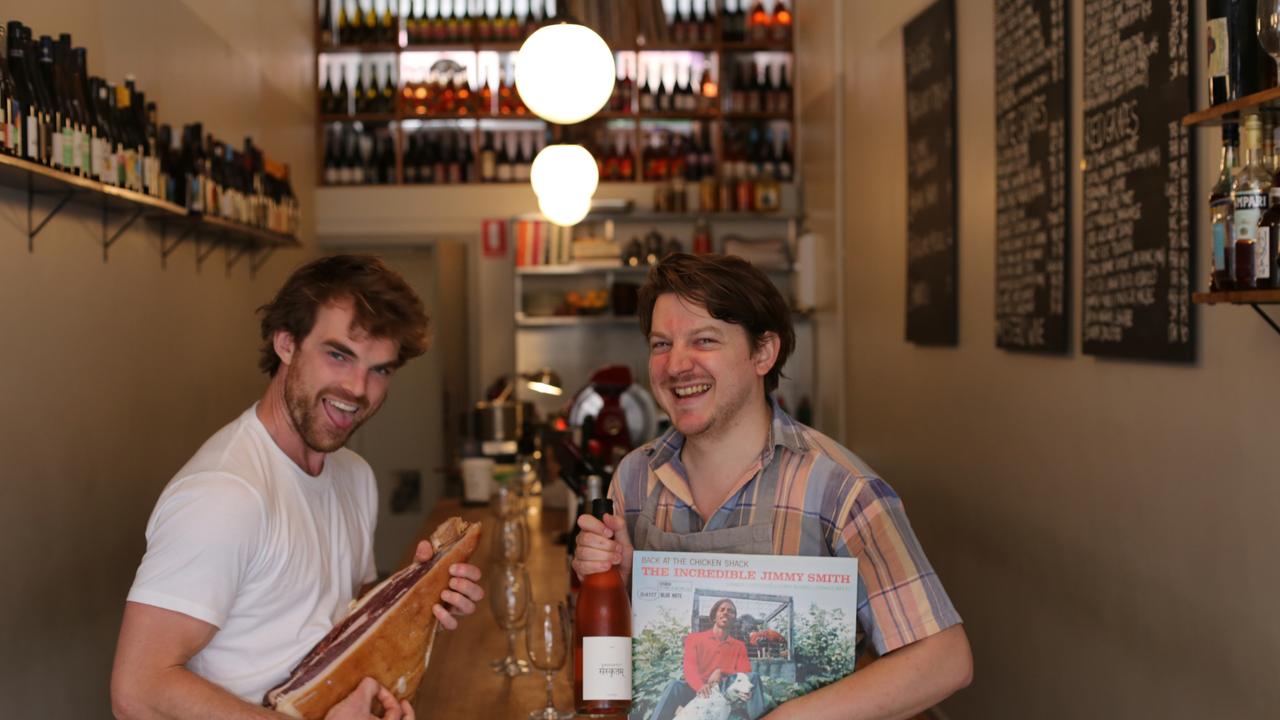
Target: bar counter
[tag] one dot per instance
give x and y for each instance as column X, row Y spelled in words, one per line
column 459, row 684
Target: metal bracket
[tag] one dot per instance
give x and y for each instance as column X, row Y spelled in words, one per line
column 233, row 259
column 165, row 249
column 32, row 228
column 201, row 255
column 259, row 259
column 108, row 242
column 1265, row 316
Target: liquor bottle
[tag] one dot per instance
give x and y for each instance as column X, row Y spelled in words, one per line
column 359, row 93
column 1250, row 193
column 786, row 163
column 781, row 22
column 504, row 168
column 758, row 23
column 649, row 97
column 468, row 163
column 707, row 92
column 372, row 32
column 784, row 91
column 389, row 23
column 326, row 23
column 387, row 92
column 602, row 640
column 1268, row 226
column 626, row 161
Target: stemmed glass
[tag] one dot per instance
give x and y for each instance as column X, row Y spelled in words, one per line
column 547, row 638
column 509, row 601
column 511, row 540
column 1269, row 28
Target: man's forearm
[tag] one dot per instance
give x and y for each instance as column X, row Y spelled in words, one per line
column 179, row 694
column 899, row 685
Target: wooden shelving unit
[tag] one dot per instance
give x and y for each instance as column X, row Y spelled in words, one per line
column 721, row 49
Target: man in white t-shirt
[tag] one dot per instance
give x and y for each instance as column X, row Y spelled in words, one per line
column 257, row 546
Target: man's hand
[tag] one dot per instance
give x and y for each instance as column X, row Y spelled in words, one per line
column 463, row 593
column 358, row 704
column 602, row 545
column 713, row 681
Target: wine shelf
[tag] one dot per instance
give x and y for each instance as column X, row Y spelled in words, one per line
column 64, row 188
column 1237, row 297
column 1229, row 112
column 1252, row 298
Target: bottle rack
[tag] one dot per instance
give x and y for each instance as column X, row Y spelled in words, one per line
column 723, row 54
column 121, row 208
column 1229, row 112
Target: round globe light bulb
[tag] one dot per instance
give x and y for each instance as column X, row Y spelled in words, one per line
column 563, row 208
column 564, row 73
column 568, row 169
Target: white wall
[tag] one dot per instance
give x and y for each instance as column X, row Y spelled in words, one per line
column 1105, row 527
column 114, row 373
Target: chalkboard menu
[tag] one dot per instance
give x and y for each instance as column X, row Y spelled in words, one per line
column 1033, row 105
column 929, row 56
column 1137, row 180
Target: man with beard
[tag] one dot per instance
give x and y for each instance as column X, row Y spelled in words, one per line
column 736, row 474
column 258, row 545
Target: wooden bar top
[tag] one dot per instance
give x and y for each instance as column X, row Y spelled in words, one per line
column 459, row 684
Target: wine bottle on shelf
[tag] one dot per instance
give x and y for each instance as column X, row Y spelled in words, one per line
column 505, row 171
column 602, row 639
column 387, row 91
column 328, row 96
column 1268, row 226
column 8, row 100
column 1246, row 60
column 758, row 23
column 371, row 92
column 1250, row 196
column 1221, row 213
column 488, row 160
column 326, row 23
column 781, row 22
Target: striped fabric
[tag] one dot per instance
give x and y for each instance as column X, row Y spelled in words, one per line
column 828, row 503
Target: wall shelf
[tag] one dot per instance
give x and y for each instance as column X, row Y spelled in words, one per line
column 1229, row 112
column 64, row 188
column 1252, row 298
column 543, row 321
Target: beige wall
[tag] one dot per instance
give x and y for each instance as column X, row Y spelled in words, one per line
column 1106, row 528
column 115, row 372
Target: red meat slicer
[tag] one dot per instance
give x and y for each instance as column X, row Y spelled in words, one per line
column 615, row 415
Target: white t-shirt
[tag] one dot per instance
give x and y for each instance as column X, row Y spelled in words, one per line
column 244, row 539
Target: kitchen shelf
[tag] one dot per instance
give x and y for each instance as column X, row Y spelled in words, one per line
column 541, row 321
column 1218, row 114
column 583, row 268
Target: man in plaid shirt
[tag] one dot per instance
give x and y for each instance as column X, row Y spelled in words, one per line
column 736, row 474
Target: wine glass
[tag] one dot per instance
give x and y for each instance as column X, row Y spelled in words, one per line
column 547, row 638
column 509, row 601
column 1269, row 28
column 511, row 540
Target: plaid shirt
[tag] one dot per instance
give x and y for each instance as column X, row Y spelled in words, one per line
column 820, row 483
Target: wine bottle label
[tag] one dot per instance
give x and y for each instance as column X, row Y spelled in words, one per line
column 33, row 136
column 1262, row 254
column 68, row 147
column 1216, row 31
column 57, row 149
column 606, row 668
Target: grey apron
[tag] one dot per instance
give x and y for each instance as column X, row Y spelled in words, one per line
column 755, row 538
